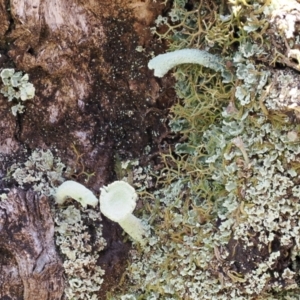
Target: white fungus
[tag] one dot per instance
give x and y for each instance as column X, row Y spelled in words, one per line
column 76, row 191
column 165, row 62
column 117, row 202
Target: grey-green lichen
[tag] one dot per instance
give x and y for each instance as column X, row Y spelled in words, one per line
column 16, row 86
column 84, row 276
column 78, row 243
column 225, row 222
column 42, row 170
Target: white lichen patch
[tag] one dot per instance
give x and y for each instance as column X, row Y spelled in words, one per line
column 185, row 258
column 42, row 171
column 173, row 264
column 283, row 92
column 284, row 16
column 84, row 276
column 78, row 243
column 16, row 86
column 136, row 175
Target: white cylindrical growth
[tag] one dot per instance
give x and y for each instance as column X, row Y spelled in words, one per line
column 117, row 202
column 76, row 191
column 165, row 62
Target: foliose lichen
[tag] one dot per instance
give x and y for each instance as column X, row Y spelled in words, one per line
column 42, row 170
column 79, row 243
column 227, row 210
column 16, row 86
column 73, row 237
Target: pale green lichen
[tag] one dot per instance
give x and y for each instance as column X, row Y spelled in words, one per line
column 16, row 86
column 84, row 276
column 232, row 186
column 42, row 170
column 79, row 244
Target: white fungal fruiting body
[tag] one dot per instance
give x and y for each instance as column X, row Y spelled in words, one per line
column 134, row 227
column 165, row 62
column 117, row 202
column 77, row 191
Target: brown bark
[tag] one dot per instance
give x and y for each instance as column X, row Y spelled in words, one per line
column 93, row 88
column 30, row 266
column 94, row 91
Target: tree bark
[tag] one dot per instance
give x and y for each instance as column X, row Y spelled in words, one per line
column 30, row 266
column 95, row 100
column 93, row 88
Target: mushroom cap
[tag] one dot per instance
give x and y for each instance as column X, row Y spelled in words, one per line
column 117, row 200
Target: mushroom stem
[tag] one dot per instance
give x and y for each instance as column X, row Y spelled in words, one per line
column 134, row 227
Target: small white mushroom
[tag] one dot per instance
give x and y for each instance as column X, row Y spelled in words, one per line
column 77, row 191
column 117, row 202
column 162, row 63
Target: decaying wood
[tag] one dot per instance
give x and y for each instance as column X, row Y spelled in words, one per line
column 30, row 267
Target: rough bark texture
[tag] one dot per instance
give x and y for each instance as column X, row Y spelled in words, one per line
column 93, row 88
column 94, row 91
column 30, row 267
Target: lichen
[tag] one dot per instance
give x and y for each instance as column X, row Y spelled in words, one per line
column 42, row 171
column 79, row 243
column 80, row 249
column 224, row 220
column 16, row 86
